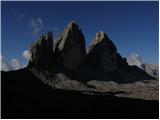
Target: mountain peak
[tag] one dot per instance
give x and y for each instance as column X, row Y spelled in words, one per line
column 102, row 53
column 101, row 34
column 42, row 51
column 70, row 49
column 72, row 22
column 102, row 39
column 72, row 26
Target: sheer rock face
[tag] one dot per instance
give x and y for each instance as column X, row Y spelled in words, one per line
column 42, row 52
column 70, row 50
column 121, row 62
column 102, row 53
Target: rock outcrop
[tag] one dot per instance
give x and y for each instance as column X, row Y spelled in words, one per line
column 102, row 53
column 42, row 52
column 70, row 50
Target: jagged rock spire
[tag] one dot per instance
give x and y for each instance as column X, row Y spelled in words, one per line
column 102, row 53
column 70, row 49
column 102, row 38
column 42, row 52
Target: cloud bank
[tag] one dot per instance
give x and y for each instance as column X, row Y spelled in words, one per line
column 13, row 65
column 4, row 65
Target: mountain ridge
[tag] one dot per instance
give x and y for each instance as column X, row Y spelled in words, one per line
column 70, row 56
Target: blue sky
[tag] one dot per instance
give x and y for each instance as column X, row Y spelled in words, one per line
column 132, row 26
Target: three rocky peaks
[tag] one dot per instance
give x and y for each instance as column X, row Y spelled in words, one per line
column 70, row 54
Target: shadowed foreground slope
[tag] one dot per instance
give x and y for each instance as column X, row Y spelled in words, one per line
column 25, row 96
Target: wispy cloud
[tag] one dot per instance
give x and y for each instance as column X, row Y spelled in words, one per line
column 18, row 14
column 35, row 25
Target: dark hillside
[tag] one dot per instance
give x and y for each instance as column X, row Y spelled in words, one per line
column 25, row 96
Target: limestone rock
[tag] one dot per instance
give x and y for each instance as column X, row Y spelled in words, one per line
column 102, row 53
column 42, row 52
column 70, row 49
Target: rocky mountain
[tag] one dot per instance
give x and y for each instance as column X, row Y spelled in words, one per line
column 70, row 50
column 151, row 69
column 42, row 52
column 102, row 53
column 102, row 61
column 68, row 81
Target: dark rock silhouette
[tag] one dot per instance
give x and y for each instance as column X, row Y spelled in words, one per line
column 70, row 50
column 102, row 53
column 121, row 62
column 42, row 52
column 102, row 61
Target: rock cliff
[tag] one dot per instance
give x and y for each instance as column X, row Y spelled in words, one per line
column 70, row 50
column 42, row 52
column 102, row 53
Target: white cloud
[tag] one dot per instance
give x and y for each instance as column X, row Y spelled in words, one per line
column 35, row 25
column 134, row 59
column 4, row 65
column 15, row 64
column 26, row 54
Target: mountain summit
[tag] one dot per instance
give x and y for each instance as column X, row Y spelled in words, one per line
column 69, row 57
column 42, row 52
column 102, row 53
column 70, row 49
